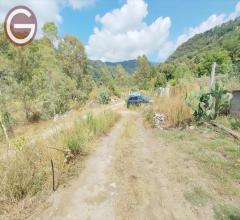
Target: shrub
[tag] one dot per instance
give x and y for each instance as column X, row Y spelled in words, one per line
column 148, row 116
column 227, row 212
column 88, row 129
column 173, row 106
column 235, row 123
column 24, row 173
column 208, row 105
column 104, row 97
column 173, row 82
column 75, row 143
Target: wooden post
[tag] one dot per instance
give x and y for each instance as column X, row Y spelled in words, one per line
column 5, row 132
column 213, row 75
column 53, row 176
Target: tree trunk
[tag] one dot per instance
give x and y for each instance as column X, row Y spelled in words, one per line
column 5, row 132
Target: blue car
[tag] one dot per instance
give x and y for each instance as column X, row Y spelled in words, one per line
column 137, row 99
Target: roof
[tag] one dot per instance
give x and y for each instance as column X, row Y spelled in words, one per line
column 135, row 94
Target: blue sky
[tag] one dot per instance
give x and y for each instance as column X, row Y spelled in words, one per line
column 184, row 14
column 116, row 30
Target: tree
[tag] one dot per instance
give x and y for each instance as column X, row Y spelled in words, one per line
column 106, row 77
column 167, row 69
column 121, row 76
column 182, row 71
column 49, row 30
column 143, row 73
column 159, row 80
column 221, row 57
column 6, row 89
column 74, row 62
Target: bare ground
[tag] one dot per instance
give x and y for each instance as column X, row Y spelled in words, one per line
column 131, row 175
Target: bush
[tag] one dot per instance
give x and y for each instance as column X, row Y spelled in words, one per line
column 88, row 129
column 75, row 143
column 104, row 97
column 173, row 106
column 173, row 82
column 148, row 117
column 208, row 105
column 24, row 173
column 235, row 123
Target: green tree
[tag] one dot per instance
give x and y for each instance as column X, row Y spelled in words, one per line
column 50, row 32
column 182, row 71
column 221, row 57
column 106, row 77
column 121, row 76
column 143, row 73
column 74, row 62
column 167, row 69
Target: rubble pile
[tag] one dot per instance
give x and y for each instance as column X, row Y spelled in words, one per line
column 159, row 119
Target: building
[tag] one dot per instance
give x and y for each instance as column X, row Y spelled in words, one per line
column 235, row 104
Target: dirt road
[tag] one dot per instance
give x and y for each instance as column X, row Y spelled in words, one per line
column 129, row 176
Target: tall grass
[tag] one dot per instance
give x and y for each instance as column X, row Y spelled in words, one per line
column 85, row 131
column 28, row 171
column 174, row 105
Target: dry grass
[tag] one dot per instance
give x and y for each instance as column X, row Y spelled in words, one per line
column 174, row 105
column 28, row 171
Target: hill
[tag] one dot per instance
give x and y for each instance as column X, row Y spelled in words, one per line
column 225, row 37
column 130, row 65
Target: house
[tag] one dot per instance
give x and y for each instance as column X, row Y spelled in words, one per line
column 235, row 104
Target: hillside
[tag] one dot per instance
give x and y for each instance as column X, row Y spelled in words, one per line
column 129, row 65
column 224, row 37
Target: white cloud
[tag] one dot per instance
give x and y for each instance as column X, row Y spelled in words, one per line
column 236, row 13
column 211, row 22
column 127, row 18
column 124, row 34
column 45, row 10
column 166, row 50
column 78, row 4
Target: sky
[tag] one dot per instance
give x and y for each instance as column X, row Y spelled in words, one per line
column 118, row 30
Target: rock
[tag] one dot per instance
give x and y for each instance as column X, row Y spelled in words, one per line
column 159, row 119
column 191, row 128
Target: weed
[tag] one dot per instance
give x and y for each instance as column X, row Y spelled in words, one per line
column 173, row 106
column 197, row 197
column 235, row 124
column 224, row 212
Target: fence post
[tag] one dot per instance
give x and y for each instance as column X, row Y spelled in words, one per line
column 213, row 75
column 53, row 176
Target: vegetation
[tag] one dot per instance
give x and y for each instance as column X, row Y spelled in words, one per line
column 224, row 212
column 49, row 77
column 209, row 105
column 104, row 97
column 53, row 75
column 27, row 171
column 235, row 123
column 216, row 157
column 219, row 44
column 197, row 197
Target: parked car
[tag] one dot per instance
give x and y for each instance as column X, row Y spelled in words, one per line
column 137, row 99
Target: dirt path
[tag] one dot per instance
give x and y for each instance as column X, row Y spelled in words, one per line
column 127, row 177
